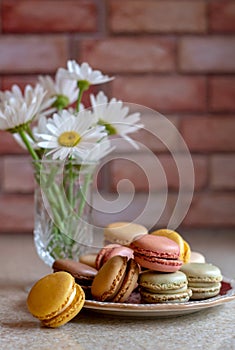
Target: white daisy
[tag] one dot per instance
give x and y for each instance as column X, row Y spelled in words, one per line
column 70, row 135
column 114, row 116
column 99, row 150
column 33, row 140
column 84, row 73
column 64, row 90
column 17, row 109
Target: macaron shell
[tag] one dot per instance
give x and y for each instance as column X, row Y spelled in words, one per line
column 161, row 282
column 50, row 294
column 187, row 253
column 88, row 259
column 109, row 278
column 108, row 252
column 153, row 298
column 69, row 313
column 171, row 235
column 159, row 246
column 197, row 257
column 201, row 272
column 129, row 282
column 77, row 269
column 205, row 292
column 101, row 254
column 156, row 253
column 158, row 264
column 176, row 237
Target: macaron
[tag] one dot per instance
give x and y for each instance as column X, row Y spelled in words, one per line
column 111, row 250
column 156, row 253
column 88, row 259
column 197, row 257
column 185, row 250
column 123, row 232
column 157, row 287
column 116, row 280
column 83, row 274
column 203, row 279
column 55, row 299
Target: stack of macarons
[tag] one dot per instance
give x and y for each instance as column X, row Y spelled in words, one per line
column 160, row 255
column 157, row 287
column 155, row 253
column 203, row 279
column 156, row 267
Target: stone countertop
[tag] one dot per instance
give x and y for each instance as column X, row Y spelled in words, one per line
column 211, row 329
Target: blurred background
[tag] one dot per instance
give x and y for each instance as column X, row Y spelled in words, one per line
column 175, row 57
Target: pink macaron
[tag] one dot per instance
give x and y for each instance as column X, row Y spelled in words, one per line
column 110, row 250
column 157, row 253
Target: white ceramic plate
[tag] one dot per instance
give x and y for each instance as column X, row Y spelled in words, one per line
column 227, row 294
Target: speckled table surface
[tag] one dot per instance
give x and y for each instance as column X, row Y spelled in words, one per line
column 20, row 267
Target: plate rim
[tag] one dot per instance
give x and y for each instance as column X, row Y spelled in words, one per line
column 164, row 307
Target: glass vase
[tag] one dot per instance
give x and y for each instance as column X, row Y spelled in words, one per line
column 63, row 209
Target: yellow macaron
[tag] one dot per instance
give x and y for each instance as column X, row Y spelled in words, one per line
column 185, row 251
column 55, row 299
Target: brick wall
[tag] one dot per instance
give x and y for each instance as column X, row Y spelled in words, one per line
column 174, row 56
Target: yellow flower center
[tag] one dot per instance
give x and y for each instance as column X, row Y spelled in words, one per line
column 69, row 139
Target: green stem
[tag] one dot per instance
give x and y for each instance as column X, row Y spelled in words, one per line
column 83, row 85
column 84, row 193
column 28, row 145
column 71, row 181
column 29, row 131
column 60, row 200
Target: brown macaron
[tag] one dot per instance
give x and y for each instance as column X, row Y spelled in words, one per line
column 83, row 274
column 116, row 280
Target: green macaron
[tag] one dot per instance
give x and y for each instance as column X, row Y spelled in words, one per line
column 157, row 287
column 203, row 279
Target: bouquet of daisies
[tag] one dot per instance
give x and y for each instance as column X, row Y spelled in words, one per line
column 51, row 122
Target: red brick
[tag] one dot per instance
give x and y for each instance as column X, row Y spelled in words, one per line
column 32, row 54
column 169, row 93
column 222, row 94
column 1, row 173
column 17, row 175
column 36, row 16
column 145, row 54
column 21, row 80
column 157, row 16
column 209, row 133
column 207, row 54
column 222, row 16
column 212, row 210
column 223, row 172
column 156, row 173
column 16, row 212
column 159, row 133
column 8, row 145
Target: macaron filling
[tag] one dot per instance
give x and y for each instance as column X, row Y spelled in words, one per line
column 69, row 312
column 70, row 300
column 203, row 279
column 167, row 297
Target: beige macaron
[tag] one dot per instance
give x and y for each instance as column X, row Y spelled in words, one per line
column 123, row 232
